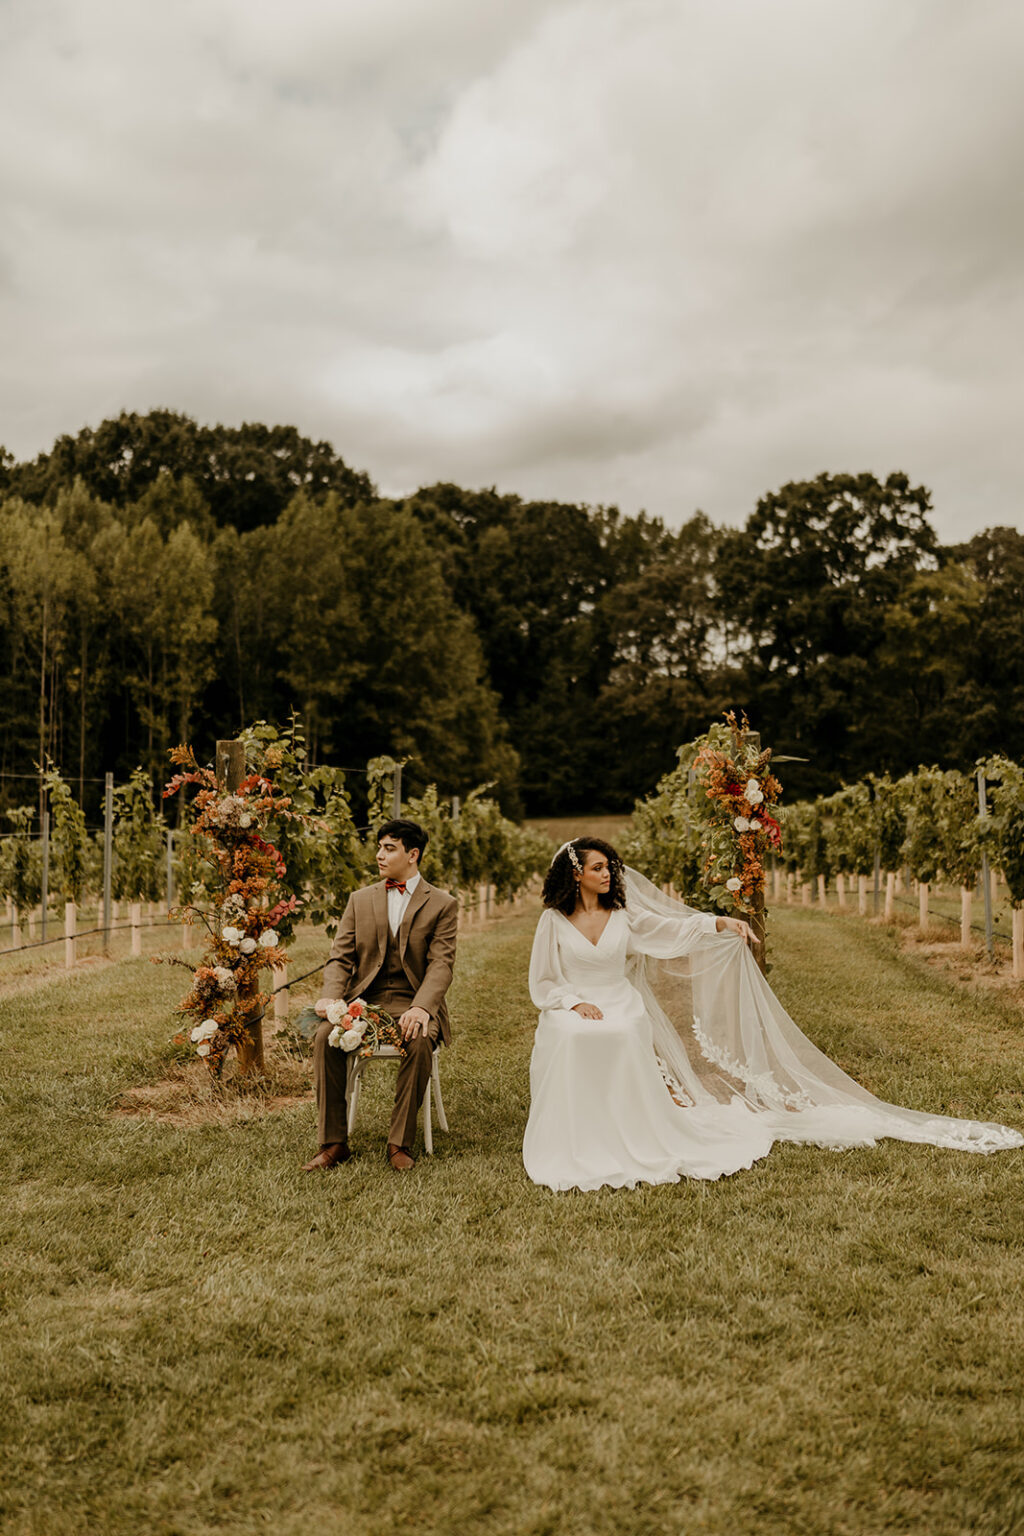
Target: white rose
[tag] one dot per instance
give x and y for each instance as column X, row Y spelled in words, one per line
column 733, row 884
column 350, row 1039
column 334, row 1038
column 741, row 824
column 245, row 820
column 231, row 935
column 336, row 1012
column 204, row 1031
column 204, row 1049
column 225, row 980
column 752, row 794
column 755, row 825
column 268, row 939
column 247, row 946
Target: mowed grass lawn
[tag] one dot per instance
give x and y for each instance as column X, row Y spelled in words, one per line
column 197, row 1337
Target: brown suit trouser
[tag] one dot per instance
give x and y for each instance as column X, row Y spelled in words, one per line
column 330, row 1076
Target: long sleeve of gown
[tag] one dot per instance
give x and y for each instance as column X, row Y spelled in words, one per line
column 548, row 985
column 667, row 938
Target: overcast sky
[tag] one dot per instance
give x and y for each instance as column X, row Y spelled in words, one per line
column 653, row 252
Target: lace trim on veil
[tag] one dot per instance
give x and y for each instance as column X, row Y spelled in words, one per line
column 753, row 1051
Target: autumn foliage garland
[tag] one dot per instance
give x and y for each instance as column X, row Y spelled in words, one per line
column 243, row 880
column 739, row 793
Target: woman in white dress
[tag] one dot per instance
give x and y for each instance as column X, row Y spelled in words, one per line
column 662, row 1053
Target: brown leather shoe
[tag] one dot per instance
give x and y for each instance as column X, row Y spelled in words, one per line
column 400, row 1158
column 328, row 1157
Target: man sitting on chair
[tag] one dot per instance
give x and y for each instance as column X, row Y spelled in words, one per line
column 395, row 947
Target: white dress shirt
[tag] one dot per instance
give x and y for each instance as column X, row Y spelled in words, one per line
column 398, row 901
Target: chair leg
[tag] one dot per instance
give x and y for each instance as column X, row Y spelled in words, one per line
column 355, row 1078
column 428, row 1133
column 435, row 1079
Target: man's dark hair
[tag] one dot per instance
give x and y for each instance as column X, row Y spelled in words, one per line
column 410, row 834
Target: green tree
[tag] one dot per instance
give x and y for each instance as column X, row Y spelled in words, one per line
column 804, row 588
column 246, row 475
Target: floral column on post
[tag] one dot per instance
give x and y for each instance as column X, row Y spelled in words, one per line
column 737, row 826
column 238, row 896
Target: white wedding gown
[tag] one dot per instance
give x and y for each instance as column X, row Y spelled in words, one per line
column 635, row 1098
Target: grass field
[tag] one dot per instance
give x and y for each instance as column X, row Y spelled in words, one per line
column 197, row 1338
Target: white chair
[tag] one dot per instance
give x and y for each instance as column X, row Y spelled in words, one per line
column 391, row 1053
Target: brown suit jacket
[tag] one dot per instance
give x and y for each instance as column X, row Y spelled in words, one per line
column 426, row 945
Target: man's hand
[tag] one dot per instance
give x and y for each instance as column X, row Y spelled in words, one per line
column 414, row 1021
column 587, row 1011
column 323, row 1003
column 737, row 925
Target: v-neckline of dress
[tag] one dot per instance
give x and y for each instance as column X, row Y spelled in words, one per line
column 594, row 943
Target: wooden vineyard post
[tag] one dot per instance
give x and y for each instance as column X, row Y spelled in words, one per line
column 169, row 871
column 108, row 857
column 841, row 892
column 280, row 976
column 1018, row 943
column 923, row 889
column 230, row 769
column 862, row 895
column 757, row 917
column 136, row 922
column 966, row 897
column 822, row 891
column 890, row 894
column 877, row 882
column 70, row 917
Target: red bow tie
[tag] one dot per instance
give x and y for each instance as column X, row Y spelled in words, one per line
column 395, row 885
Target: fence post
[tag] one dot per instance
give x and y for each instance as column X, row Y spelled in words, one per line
column 70, row 926
column 170, row 870
column 396, row 793
column 966, row 896
column 108, row 856
column 136, row 920
column 45, row 882
column 923, row 891
column 280, row 979
column 1018, row 943
column 890, row 893
column 986, row 883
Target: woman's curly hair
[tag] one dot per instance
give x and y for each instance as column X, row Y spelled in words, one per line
column 560, row 886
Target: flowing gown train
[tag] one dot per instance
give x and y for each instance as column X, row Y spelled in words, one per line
column 621, row 1100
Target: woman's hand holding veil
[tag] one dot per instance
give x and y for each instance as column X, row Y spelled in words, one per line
column 737, row 925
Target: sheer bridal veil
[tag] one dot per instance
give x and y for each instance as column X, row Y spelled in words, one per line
column 721, row 1034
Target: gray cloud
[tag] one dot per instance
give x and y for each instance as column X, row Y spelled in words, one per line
column 667, row 254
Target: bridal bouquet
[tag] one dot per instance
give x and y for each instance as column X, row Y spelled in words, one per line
column 362, row 1027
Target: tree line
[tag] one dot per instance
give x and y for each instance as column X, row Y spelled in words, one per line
column 163, row 581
